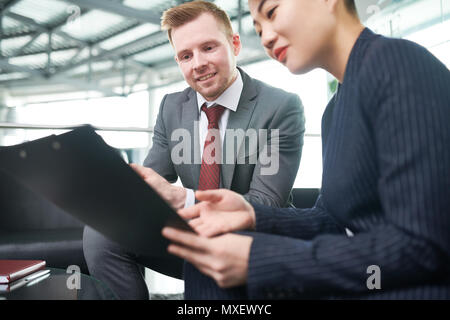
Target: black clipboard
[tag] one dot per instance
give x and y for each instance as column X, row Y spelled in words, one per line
column 81, row 174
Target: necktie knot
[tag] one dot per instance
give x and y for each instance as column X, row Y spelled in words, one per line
column 213, row 114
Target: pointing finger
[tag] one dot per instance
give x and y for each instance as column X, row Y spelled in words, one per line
column 209, row 195
column 187, row 239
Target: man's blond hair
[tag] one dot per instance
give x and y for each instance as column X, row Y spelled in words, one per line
column 188, row 11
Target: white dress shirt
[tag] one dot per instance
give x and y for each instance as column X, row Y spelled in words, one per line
column 228, row 99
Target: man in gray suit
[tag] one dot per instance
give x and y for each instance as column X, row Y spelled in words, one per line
column 261, row 129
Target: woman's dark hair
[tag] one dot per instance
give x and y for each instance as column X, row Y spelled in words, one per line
column 350, row 5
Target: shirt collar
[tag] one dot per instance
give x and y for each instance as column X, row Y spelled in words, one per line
column 229, row 98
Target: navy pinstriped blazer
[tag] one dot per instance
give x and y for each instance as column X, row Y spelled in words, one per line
column 386, row 177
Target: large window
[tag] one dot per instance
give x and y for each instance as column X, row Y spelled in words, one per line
column 113, row 112
column 313, row 91
column 426, row 22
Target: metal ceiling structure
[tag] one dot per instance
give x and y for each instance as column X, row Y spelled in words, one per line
column 106, row 46
column 115, row 47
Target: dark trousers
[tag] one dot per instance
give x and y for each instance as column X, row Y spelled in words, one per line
column 122, row 271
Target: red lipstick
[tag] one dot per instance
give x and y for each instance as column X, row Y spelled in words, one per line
column 280, row 53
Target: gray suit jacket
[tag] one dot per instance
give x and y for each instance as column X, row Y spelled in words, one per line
column 260, row 107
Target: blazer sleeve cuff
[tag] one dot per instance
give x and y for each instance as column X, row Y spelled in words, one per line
column 268, row 277
column 264, row 216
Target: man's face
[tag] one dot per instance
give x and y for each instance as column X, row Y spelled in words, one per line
column 206, row 55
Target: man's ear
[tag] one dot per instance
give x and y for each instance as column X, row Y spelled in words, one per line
column 237, row 45
column 176, row 59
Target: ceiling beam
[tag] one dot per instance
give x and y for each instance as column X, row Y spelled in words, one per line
column 41, row 28
column 5, row 7
column 56, row 30
column 26, row 20
column 19, row 51
column 1, row 34
column 124, row 51
column 144, row 16
column 4, row 64
column 82, row 44
column 84, row 85
column 113, row 52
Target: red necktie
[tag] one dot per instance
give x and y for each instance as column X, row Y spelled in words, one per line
column 210, row 170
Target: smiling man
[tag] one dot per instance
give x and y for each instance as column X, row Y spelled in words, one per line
column 206, row 56
column 221, row 98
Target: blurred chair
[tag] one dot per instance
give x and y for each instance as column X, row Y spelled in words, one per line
column 33, row 228
column 304, row 197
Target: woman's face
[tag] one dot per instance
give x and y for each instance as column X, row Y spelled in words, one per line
column 297, row 33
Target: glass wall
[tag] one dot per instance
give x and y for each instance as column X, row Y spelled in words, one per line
column 426, row 22
column 312, row 89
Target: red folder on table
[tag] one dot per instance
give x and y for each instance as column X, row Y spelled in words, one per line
column 11, row 270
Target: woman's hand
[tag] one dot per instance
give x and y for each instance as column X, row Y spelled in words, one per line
column 220, row 211
column 223, row 258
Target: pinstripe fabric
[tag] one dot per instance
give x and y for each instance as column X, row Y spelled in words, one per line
column 386, row 177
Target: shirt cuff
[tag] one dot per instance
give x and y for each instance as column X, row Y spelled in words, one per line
column 190, row 198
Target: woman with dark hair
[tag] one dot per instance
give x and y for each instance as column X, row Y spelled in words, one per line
column 386, row 176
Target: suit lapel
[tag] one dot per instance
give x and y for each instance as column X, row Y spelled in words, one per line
column 190, row 115
column 238, row 120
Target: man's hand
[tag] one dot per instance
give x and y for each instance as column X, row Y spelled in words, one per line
column 223, row 258
column 220, row 211
column 175, row 196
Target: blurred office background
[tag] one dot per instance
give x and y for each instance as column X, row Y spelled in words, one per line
column 106, row 62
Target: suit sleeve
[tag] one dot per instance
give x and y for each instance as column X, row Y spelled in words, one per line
column 412, row 244
column 272, row 180
column 296, row 223
column 159, row 158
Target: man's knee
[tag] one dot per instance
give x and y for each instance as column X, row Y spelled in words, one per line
column 97, row 248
